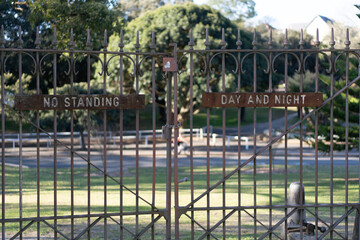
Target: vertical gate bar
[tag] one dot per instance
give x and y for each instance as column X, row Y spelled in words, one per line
column 316, row 143
column 71, row 47
column 137, row 46
column 223, row 45
column 121, row 45
column 168, row 156
column 239, row 43
column 286, row 45
column 54, row 43
column 347, row 43
column 37, row 44
column 191, row 44
column 105, row 44
column 88, row 48
column 254, row 43
column 332, row 44
column 153, row 47
column 332, row 134
column 176, row 135
column 301, row 143
column 207, row 47
column 20, row 42
column 270, row 138
column 2, row 46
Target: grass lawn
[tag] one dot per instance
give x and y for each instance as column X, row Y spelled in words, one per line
column 145, row 191
column 262, row 115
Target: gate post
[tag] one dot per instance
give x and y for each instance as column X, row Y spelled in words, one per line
column 356, row 232
column 168, row 157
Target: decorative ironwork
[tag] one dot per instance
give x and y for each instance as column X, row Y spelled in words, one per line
column 215, row 68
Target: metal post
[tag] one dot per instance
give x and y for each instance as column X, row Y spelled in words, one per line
column 168, row 158
column 356, row 232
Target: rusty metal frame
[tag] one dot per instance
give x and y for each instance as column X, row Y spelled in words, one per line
column 173, row 222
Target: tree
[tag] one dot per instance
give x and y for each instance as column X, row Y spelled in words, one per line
column 134, row 9
column 173, row 24
column 77, row 15
column 238, row 10
column 339, row 110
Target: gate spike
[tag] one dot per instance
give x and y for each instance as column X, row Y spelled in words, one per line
column 207, row 43
column 223, row 43
column 121, row 44
column 54, row 41
column 37, row 39
column 270, row 43
column 317, row 42
column 301, row 42
column 2, row 38
column 238, row 42
column 286, row 41
column 332, row 40
column 105, row 43
column 71, row 43
column 191, row 42
column 88, row 40
column 254, row 42
column 137, row 45
column 153, row 44
column 347, row 42
column 20, row 41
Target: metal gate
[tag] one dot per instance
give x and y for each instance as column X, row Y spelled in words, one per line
column 107, row 177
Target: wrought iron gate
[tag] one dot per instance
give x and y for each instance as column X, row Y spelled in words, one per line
column 230, row 190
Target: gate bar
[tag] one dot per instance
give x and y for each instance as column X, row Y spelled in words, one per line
column 168, row 157
column 2, row 46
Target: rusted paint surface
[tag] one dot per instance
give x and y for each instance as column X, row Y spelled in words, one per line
column 262, row 99
column 68, row 102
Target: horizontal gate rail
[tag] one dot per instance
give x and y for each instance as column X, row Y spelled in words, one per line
column 39, row 219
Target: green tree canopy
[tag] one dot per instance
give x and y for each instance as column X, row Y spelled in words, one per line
column 172, row 24
column 96, row 15
column 235, row 9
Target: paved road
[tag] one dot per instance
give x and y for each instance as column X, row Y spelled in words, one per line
column 200, row 159
column 216, row 159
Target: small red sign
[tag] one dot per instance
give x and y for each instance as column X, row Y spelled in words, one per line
column 169, row 65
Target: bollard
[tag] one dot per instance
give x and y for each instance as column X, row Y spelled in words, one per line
column 297, row 221
column 294, row 199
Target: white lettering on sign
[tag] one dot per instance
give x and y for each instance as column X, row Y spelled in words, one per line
column 263, row 99
column 167, row 65
column 82, row 102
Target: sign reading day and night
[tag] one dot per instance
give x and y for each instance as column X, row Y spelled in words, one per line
column 70, row 102
column 262, row 99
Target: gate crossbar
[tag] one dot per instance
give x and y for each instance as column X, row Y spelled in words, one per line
column 269, row 144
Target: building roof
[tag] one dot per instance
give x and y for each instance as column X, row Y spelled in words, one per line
column 327, row 20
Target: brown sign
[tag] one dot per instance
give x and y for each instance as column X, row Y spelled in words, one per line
column 262, row 99
column 68, row 102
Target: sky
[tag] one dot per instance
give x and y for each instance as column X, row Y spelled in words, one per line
column 284, row 13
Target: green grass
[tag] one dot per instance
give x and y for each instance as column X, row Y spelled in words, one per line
column 262, row 115
column 145, row 191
